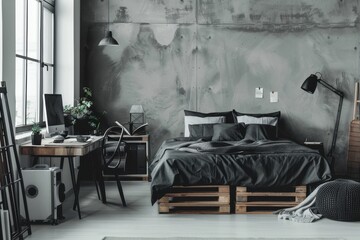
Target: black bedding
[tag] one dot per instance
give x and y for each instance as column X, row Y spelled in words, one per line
column 248, row 163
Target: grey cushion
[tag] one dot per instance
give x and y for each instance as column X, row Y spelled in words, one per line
column 339, row 200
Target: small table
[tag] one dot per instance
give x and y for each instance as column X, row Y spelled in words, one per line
column 136, row 159
column 316, row 146
column 70, row 148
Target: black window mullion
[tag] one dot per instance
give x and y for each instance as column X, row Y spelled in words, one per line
column 41, row 61
column 26, row 60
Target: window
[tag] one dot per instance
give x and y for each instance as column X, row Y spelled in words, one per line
column 34, row 59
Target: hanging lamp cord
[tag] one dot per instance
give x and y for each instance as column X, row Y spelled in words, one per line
column 108, row 15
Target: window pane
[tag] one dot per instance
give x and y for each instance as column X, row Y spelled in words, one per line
column 19, row 92
column 33, row 98
column 20, row 27
column 48, row 80
column 34, row 29
column 48, row 36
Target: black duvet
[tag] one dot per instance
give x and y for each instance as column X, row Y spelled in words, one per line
column 264, row 163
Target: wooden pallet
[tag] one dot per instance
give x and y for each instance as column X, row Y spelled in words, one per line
column 196, row 199
column 267, row 200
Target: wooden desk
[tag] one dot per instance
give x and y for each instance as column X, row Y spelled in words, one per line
column 70, row 148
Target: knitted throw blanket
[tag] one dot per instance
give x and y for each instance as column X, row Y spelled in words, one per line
column 305, row 212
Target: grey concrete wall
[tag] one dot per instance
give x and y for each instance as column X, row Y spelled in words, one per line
column 210, row 55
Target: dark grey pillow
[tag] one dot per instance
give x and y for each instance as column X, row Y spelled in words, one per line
column 228, row 115
column 201, row 130
column 228, row 132
column 257, row 132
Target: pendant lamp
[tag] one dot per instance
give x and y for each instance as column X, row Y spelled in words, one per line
column 108, row 40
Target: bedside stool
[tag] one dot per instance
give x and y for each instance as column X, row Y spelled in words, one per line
column 316, row 145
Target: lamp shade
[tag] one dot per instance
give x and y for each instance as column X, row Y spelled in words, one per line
column 310, row 84
column 136, row 109
column 108, row 40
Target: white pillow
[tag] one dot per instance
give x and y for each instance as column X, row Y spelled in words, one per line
column 257, row 120
column 200, row 120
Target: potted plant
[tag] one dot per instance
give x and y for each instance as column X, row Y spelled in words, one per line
column 36, row 136
column 83, row 116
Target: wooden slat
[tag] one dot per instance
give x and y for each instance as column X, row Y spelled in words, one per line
column 196, row 199
column 244, row 210
column 220, row 188
column 271, row 194
column 217, row 210
column 267, row 204
column 355, row 136
column 354, row 148
column 301, row 189
column 193, row 204
column 257, row 201
column 198, row 194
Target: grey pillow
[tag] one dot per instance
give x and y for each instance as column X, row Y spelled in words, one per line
column 257, row 132
column 229, row 132
column 201, row 130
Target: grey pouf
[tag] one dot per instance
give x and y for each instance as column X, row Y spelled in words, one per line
column 339, row 200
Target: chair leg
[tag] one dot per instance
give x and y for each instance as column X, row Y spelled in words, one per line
column 97, row 189
column 120, row 189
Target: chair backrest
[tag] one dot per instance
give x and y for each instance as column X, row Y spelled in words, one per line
column 115, row 145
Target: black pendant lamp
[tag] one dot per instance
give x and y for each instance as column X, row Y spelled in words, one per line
column 108, row 40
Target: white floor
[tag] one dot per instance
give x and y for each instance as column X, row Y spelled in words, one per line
column 140, row 219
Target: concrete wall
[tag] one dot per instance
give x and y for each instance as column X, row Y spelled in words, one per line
column 210, row 55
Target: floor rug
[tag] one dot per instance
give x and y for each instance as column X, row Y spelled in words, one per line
column 196, row 238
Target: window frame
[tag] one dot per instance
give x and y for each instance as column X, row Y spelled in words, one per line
column 50, row 6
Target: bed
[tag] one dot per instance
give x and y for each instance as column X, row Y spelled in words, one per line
column 246, row 152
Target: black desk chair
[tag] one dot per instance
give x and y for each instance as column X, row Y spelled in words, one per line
column 114, row 156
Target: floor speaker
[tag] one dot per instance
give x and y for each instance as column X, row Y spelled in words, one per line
column 44, row 192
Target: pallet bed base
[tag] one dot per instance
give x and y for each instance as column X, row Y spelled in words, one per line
column 265, row 201
column 196, row 199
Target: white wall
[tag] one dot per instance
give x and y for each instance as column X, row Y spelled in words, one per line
column 1, row 36
column 8, row 51
column 67, row 50
column 67, row 59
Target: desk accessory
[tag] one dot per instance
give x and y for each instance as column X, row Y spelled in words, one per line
column 59, row 139
column 82, row 138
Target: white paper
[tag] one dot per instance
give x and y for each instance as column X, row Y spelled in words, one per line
column 259, row 92
column 274, row 97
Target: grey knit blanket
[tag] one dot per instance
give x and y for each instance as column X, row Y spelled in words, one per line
column 305, row 212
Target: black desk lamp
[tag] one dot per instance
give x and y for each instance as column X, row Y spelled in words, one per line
column 309, row 86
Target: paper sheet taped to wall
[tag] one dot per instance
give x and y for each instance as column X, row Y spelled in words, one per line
column 274, row 97
column 259, row 92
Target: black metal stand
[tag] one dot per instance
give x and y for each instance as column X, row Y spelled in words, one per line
column 333, row 143
column 10, row 181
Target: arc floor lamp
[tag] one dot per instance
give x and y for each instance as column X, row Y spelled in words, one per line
column 309, row 86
